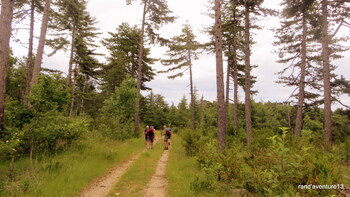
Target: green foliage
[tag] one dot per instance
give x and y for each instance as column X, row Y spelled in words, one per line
column 16, row 80
column 124, row 50
column 51, row 132
column 66, row 173
column 155, row 111
column 191, row 141
column 118, row 111
column 183, row 114
column 16, row 114
column 271, row 169
column 121, row 103
column 182, row 51
column 50, row 94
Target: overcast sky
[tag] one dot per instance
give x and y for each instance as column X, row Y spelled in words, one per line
column 111, row 13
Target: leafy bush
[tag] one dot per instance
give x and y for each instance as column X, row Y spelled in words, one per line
column 112, row 127
column 270, row 169
column 16, row 114
column 50, row 94
column 191, row 141
column 51, row 131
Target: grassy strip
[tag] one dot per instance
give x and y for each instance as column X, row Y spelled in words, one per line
column 67, row 173
column 181, row 170
column 345, row 173
column 135, row 180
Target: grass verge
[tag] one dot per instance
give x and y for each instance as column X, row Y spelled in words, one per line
column 135, row 180
column 65, row 174
column 181, row 170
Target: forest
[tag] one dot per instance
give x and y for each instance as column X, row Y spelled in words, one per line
column 81, row 132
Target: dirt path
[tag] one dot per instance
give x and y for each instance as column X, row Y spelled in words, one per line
column 157, row 185
column 103, row 185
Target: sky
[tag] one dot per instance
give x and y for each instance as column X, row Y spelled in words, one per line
column 111, row 13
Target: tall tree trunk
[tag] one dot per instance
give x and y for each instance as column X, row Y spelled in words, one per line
column 42, row 38
column 326, row 76
column 72, row 98
column 70, row 81
column 221, row 119
column 235, row 68
column 5, row 34
column 139, row 71
column 301, row 96
column 202, row 112
column 71, row 59
column 30, row 61
column 247, row 85
column 81, row 106
column 227, row 99
column 191, row 91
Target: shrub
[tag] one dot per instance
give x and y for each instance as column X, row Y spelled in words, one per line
column 51, row 131
column 191, row 141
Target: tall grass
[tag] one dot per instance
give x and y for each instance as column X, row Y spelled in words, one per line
column 66, row 173
column 181, row 171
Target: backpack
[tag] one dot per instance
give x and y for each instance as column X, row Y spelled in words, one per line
column 150, row 132
column 167, row 132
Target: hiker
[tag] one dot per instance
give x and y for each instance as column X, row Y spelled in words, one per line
column 170, row 134
column 167, row 136
column 145, row 132
column 150, row 136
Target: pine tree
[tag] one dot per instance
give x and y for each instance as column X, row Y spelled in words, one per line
column 298, row 51
column 41, row 45
column 251, row 8
column 155, row 13
column 30, row 60
column 73, row 29
column 233, row 43
column 221, row 107
column 123, row 60
column 182, row 51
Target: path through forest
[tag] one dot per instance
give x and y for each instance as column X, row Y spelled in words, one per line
column 103, row 185
column 157, row 185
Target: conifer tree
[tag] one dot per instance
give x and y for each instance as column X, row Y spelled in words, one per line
column 41, row 45
column 155, row 14
column 233, row 43
column 298, row 51
column 123, row 47
column 182, row 51
column 221, row 107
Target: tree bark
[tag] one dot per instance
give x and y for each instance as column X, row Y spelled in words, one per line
column 71, row 59
column 247, row 85
column 227, row 99
column 235, row 75
column 220, row 78
column 301, row 96
column 202, row 112
column 30, row 61
column 72, row 98
column 42, row 38
column 5, row 35
column 326, row 76
column 192, row 92
column 81, row 106
column 139, row 72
